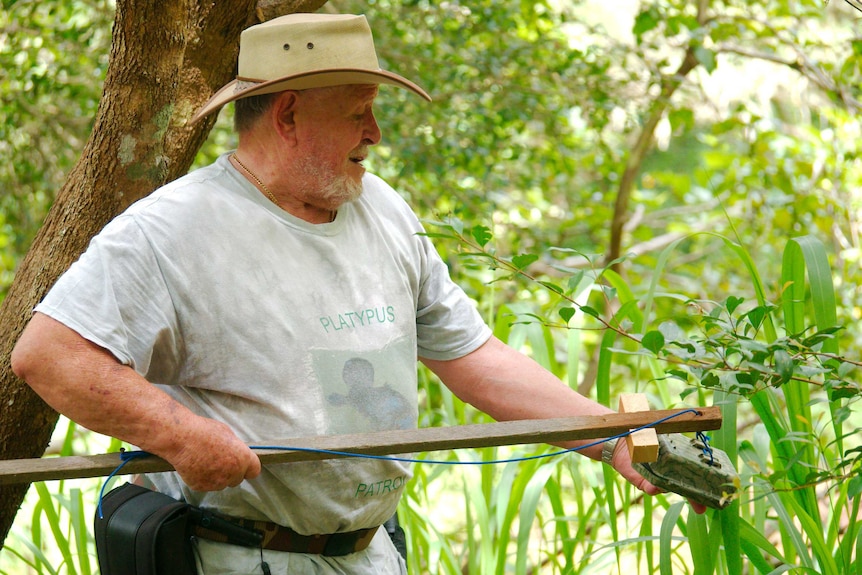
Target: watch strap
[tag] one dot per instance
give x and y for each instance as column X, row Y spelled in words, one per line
column 608, row 451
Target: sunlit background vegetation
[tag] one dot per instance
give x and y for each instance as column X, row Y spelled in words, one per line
column 737, row 283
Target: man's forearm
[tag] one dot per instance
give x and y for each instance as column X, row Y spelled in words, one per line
column 87, row 384
column 507, row 385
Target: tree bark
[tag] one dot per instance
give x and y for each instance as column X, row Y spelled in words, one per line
column 638, row 155
column 166, row 59
column 669, row 85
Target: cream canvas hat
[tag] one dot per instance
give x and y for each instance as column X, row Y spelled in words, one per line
column 301, row 51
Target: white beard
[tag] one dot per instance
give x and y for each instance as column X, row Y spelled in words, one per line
column 334, row 191
column 341, row 191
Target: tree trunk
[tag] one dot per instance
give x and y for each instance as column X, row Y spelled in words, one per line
column 669, row 85
column 166, row 59
column 638, row 155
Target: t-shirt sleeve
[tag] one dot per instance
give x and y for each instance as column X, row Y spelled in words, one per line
column 115, row 297
column 448, row 324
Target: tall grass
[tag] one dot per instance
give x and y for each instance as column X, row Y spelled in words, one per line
column 775, row 368
column 52, row 533
column 787, row 397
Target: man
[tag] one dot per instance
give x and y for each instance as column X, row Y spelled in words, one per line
column 261, row 297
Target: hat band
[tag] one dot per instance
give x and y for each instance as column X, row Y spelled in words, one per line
column 243, row 85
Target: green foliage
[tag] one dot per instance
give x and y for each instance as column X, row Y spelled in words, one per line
column 739, row 287
column 776, row 363
column 52, row 533
column 764, row 131
column 53, row 57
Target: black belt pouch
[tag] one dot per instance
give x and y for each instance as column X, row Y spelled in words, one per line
column 142, row 532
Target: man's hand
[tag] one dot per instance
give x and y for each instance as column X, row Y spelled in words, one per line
column 210, row 457
column 508, row 385
column 622, row 462
column 90, row 386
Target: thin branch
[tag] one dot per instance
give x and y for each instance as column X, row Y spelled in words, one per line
column 801, row 64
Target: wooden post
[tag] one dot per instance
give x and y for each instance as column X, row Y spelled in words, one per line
column 643, row 444
column 16, row 471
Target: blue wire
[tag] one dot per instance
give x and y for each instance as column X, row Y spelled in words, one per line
column 707, row 448
column 492, row 462
column 126, row 456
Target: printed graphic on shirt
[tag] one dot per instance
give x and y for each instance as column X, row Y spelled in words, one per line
column 357, row 319
column 382, row 487
column 371, row 391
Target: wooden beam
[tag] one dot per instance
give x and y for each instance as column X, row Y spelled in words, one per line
column 643, row 444
column 387, row 442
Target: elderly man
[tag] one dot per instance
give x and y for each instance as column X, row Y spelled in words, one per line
column 238, row 304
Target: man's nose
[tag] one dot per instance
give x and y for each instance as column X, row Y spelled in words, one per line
column 372, row 133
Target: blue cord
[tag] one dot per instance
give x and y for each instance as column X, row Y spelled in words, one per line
column 126, row 456
column 707, row 448
column 492, row 462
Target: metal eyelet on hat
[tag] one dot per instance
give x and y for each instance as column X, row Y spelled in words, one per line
column 286, row 47
column 310, row 45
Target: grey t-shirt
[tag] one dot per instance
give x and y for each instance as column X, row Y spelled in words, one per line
column 277, row 327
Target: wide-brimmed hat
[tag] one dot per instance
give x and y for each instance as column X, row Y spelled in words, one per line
column 301, row 51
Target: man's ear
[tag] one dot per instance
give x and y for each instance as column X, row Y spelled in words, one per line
column 282, row 115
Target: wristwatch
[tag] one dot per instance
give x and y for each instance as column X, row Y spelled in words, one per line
column 608, row 451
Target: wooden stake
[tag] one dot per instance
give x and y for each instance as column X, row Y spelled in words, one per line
column 386, row 443
column 643, row 444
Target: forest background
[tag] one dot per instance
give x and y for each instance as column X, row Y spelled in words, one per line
column 660, row 197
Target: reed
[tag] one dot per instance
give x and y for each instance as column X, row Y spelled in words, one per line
column 52, row 533
column 775, row 368
column 775, row 364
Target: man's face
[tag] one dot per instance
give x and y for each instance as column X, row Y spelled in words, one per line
column 335, row 127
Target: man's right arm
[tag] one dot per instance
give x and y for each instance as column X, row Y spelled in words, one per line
column 86, row 383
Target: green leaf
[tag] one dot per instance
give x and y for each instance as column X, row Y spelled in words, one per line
column 646, row 21
column 681, row 119
column 756, row 316
column 455, row 224
column 653, row 341
column 854, row 487
column 573, row 284
column 699, row 543
column 591, row 311
column 706, row 57
column 732, row 303
column 679, row 374
column 523, row 260
column 481, row 234
column 784, row 365
column 666, row 538
column 710, row 380
column 553, row 287
column 528, row 516
column 567, row 314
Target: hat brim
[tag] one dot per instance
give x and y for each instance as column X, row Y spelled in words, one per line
column 243, row 89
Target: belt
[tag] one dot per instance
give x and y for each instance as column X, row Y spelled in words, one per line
column 274, row 537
